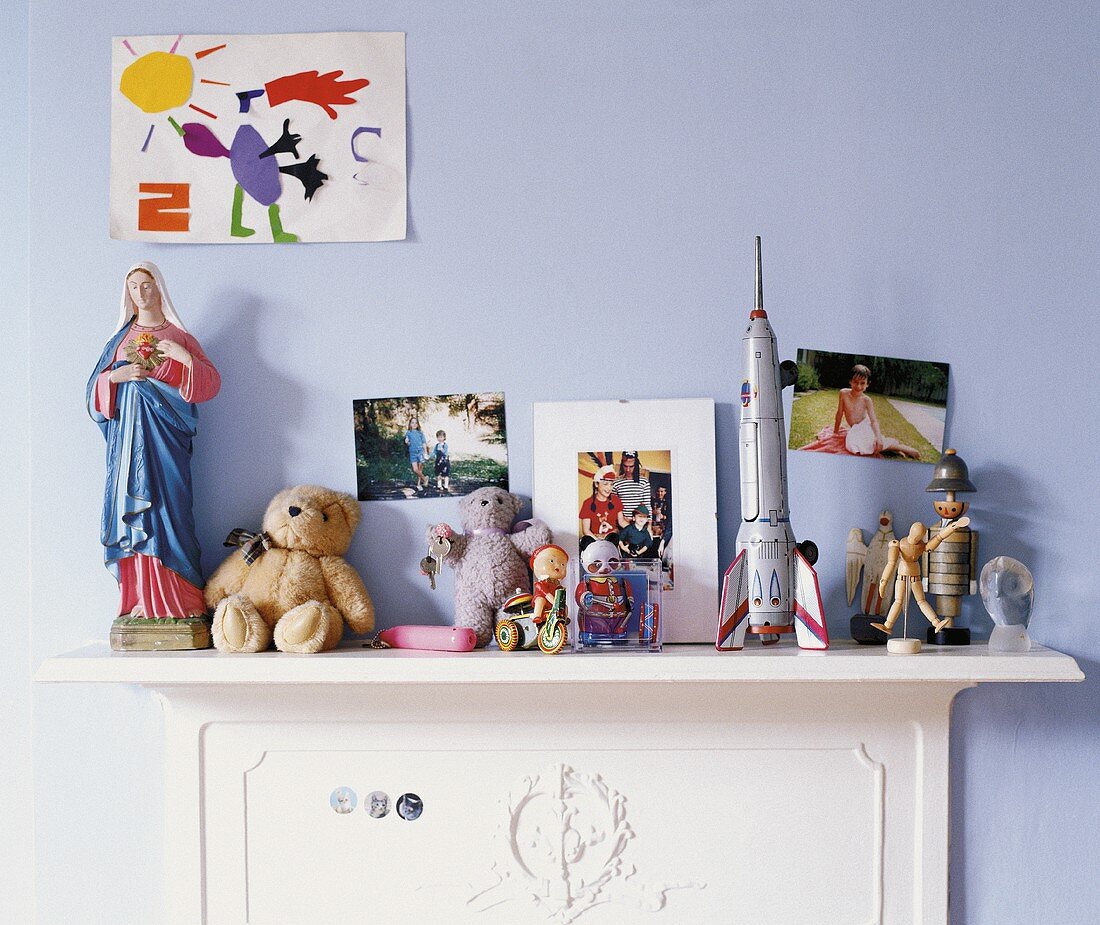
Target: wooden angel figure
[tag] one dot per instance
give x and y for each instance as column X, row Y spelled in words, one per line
column 142, row 394
column 870, row 559
column 904, row 559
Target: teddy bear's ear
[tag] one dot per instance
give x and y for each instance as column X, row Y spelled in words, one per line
column 352, row 512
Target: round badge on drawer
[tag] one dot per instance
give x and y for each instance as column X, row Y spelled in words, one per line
column 377, row 804
column 343, row 800
column 409, row 806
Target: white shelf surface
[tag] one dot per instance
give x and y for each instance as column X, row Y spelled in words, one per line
column 352, row 664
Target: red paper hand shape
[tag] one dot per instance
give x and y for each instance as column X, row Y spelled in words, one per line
column 326, row 90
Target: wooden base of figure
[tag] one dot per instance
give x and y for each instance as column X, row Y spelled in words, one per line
column 903, row 646
column 949, row 636
column 136, row 634
column 861, row 631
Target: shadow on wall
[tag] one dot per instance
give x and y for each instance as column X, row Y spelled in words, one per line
column 1007, row 742
column 242, row 445
column 1012, row 744
column 380, row 548
column 1006, row 512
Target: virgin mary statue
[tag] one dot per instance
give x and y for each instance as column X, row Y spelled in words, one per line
column 143, row 394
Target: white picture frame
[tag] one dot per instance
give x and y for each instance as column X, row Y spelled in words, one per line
column 684, row 427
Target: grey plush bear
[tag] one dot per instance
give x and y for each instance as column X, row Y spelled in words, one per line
column 490, row 561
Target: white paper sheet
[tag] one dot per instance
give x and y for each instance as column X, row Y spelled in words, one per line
column 194, row 81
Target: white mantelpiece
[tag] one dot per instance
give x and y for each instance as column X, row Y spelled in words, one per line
column 766, row 786
column 357, row 665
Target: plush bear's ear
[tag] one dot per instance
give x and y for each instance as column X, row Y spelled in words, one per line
column 353, row 513
column 516, row 503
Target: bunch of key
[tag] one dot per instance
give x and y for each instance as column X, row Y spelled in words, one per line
column 432, row 563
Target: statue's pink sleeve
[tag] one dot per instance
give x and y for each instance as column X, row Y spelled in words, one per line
column 104, row 397
column 202, row 381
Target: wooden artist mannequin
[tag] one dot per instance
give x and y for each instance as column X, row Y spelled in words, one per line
column 904, row 559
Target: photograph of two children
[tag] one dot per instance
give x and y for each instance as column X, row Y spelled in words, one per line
column 429, row 445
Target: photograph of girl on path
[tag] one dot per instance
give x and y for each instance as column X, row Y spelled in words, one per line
column 392, row 446
column 836, row 411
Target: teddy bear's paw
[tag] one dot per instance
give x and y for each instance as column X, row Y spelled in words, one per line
column 478, row 618
column 238, row 626
column 309, row 627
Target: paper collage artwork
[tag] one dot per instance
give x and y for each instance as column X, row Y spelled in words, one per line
column 258, row 138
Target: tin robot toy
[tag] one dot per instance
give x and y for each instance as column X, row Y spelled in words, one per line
column 604, row 601
column 950, row 571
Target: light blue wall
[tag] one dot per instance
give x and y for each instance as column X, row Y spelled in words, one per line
column 925, row 180
column 16, row 813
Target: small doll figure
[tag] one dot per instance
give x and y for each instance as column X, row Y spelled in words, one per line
column 442, row 462
column 604, row 600
column 548, row 564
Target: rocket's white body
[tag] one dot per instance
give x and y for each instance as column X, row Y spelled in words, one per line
column 769, row 583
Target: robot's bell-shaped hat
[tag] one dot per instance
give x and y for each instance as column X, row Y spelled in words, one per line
column 951, row 474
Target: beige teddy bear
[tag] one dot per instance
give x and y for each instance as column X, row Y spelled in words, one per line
column 298, row 588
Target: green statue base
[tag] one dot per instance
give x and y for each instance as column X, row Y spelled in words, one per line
column 137, row 634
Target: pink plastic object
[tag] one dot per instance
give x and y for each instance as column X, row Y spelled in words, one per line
column 437, row 638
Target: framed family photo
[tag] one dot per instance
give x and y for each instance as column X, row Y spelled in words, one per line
column 640, row 475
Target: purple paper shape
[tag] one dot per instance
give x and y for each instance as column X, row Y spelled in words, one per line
column 259, row 177
column 198, row 139
column 359, row 131
column 247, row 96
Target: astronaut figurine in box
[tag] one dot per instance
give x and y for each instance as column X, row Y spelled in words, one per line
column 950, row 570
column 604, row 600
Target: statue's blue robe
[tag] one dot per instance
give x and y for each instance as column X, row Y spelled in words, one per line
column 148, row 498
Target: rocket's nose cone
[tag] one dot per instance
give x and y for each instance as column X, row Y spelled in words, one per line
column 757, row 313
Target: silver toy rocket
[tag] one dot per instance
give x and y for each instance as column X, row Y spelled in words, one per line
column 771, row 587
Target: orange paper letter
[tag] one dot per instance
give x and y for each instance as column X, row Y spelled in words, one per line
column 161, row 211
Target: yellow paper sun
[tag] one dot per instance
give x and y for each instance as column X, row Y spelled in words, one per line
column 158, row 81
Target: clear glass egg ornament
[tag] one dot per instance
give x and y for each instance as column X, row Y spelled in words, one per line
column 1008, row 593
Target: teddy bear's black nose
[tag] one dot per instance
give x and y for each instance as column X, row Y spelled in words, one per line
column 294, row 511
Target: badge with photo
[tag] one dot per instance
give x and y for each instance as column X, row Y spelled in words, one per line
column 625, row 497
column 853, row 404
column 430, row 446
